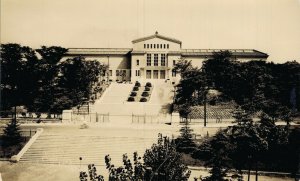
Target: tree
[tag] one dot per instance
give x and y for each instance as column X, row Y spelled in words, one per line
column 185, row 142
column 18, row 81
column 165, row 162
column 11, row 134
column 161, row 162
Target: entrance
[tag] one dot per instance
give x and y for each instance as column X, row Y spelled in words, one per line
column 148, row 74
column 162, row 74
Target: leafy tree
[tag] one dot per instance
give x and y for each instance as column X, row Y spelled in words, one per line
column 165, row 162
column 18, row 82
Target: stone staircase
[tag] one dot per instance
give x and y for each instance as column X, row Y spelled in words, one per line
column 61, row 148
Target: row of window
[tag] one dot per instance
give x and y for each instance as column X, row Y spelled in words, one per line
column 155, row 62
column 138, row 73
column 156, row 46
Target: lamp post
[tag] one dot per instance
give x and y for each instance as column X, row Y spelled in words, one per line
column 108, row 68
column 205, row 102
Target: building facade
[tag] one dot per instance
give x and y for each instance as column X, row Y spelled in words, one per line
column 153, row 58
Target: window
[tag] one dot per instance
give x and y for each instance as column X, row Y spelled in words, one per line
column 137, row 62
column 173, row 73
column 164, row 45
column 155, row 74
column 161, row 46
column 162, row 74
column 147, row 45
column 154, row 46
column 148, row 74
column 150, row 45
column 137, row 73
column 148, row 59
column 117, row 73
column 110, row 72
column 157, row 45
column 155, row 59
column 144, row 45
column 163, row 60
column 167, row 46
column 174, row 62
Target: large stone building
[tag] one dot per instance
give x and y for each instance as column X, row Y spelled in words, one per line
column 153, row 57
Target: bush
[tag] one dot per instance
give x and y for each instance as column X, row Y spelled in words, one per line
column 137, row 84
column 135, row 88
column 145, row 94
column 131, row 99
column 148, row 84
column 143, row 100
column 133, row 94
column 147, row 89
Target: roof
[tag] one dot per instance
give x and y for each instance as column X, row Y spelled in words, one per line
column 156, row 35
column 235, row 52
column 98, row 51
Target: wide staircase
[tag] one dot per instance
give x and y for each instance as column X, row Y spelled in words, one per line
column 114, row 100
column 66, row 147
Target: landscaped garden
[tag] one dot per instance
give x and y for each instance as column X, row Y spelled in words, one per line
column 140, row 93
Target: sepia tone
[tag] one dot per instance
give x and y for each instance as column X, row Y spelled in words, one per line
column 150, row 90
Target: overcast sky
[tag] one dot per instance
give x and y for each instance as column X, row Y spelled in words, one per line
column 271, row 26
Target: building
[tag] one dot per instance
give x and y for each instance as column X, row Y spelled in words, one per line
column 153, row 57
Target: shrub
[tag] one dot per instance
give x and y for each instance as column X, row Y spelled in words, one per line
column 148, row 84
column 135, row 88
column 133, row 94
column 143, row 100
column 131, row 99
column 147, row 88
column 137, row 84
column 145, row 94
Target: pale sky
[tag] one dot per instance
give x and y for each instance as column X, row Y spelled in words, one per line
column 271, row 26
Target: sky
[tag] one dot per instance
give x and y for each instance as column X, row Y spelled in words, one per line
column 270, row 26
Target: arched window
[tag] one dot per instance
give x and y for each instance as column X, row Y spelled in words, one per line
column 137, row 62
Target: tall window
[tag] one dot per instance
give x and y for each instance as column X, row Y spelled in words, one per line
column 164, row 45
column 110, row 72
column 148, row 59
column 137, row 72
column 117, row 73
column 173, row 73
column 150, row 45
column 144, row 45
column 137, row 62
column 157, row 45
column 167, row 46
column 163, row 60
column 174, row 62
column 161, row 46
column 147, row 45
column 155, row 59
column 154, row 45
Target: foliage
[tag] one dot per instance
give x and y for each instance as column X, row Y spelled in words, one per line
column 135, row 88
column 143, row 99
column 160, row 162
column 185, row 142
column 165, row 162
column 92, row 174
column 133, row 94
column 11, row 134
column 148, row 84
column 46, row 83
column 147, row 88
column 131, row 99
column 256, row 86
column 137, row 84
column 145, row 94
column 249, row 145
